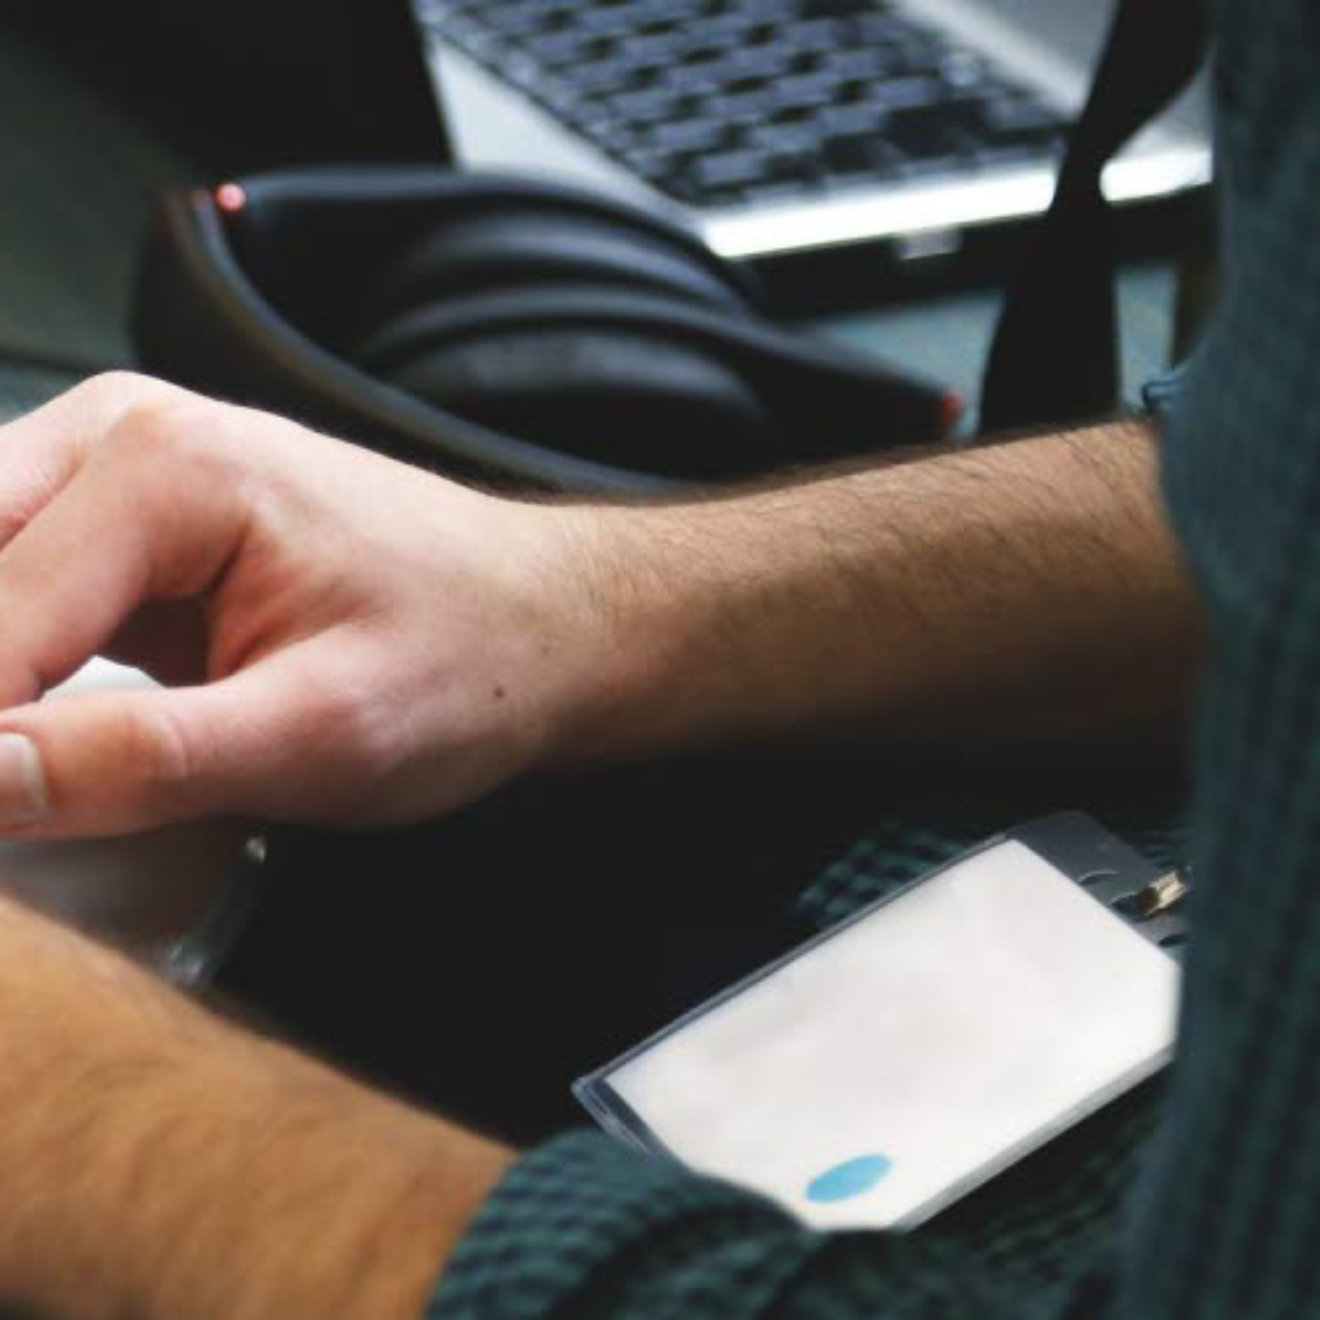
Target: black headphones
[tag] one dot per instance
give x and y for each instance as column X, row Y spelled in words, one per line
column 516, row 332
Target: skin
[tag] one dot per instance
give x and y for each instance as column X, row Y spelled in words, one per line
column 349, row 640
column 158, row 1162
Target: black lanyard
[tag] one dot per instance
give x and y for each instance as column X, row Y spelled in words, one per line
column 1054, row 358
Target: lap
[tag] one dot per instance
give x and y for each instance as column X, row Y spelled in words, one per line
column 481, row 963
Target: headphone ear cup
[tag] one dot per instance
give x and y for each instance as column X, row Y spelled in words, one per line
column 596, row 394
column 266, row 303
column 517, row 249
column 542, row 360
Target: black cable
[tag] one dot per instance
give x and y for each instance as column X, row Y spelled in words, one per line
column 1054, row 358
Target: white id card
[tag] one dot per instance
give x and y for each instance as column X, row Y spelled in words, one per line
column 885, row 1069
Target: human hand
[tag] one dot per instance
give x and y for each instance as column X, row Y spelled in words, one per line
column 344, row 638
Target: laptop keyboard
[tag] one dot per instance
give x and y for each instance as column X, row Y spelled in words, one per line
column 728, row 102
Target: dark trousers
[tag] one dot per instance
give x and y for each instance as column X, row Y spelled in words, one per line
column 483, row 962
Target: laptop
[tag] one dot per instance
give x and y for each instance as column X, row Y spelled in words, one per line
column 783, row 127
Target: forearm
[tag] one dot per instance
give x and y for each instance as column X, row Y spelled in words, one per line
column 159, row 1163
column 1006, row 597
column 353, row 640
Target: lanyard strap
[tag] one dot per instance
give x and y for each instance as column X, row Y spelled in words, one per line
column 1055, row 353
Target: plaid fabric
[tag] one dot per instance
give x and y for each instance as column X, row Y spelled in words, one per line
column 1204, row 1202
column 1229, row 1220
column 899, row 848
column 584, row 1226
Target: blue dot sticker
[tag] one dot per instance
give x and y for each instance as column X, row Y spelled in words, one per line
column 849, row 1179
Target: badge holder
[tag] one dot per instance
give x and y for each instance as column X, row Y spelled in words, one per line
column 891, row 1065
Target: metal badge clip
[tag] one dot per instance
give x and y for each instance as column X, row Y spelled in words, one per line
column 1162, row 894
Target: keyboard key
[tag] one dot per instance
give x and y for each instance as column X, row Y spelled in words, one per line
column 605, row 20
column 778, row 137
column 801, row 94
column 852, row 155
column 644, row 105
column 904, row 93
column 735, row 113
column 562, row 47
column 864, row 62
column 923, row 135
column 617, row 138
column 878, row 29
column 857, row 120
column 722, row 170
column 1009, row 155
column 1013, row 115
column 688, row 134
column 836, row 8
column 964, row 72
column 692, row 80
column 814, row 35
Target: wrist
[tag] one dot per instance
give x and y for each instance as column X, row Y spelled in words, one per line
column 655, row 653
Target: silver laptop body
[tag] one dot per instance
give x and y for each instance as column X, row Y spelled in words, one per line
column 1048, row 46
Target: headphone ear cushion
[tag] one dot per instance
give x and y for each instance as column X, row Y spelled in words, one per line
column 671, row 409
column 517, row 249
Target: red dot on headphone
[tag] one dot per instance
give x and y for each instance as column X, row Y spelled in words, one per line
column 951, row 409
column 230, row 197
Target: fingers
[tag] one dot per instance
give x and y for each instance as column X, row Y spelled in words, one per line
column 128, row 512
column 268, row 740
column 41, row 450
column 138, row 520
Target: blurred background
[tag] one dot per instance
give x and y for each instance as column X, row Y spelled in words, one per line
column 103, row 108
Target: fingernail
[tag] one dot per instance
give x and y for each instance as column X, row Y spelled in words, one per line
column 23, row 797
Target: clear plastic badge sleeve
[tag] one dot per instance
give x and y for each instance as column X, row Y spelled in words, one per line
column 893, row 1064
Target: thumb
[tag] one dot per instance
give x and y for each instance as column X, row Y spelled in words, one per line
column 114, row 762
